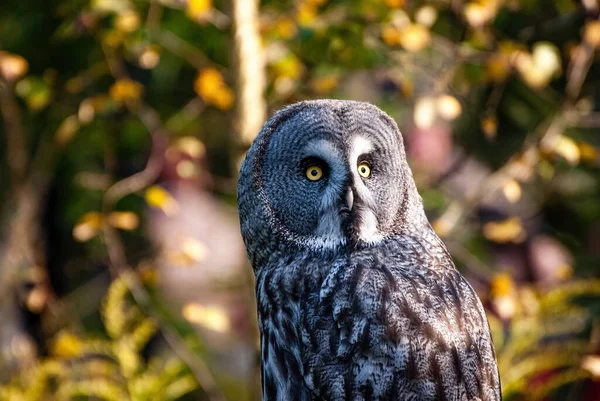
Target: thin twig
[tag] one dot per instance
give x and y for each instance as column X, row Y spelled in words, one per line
column 181, row 48
column 155, row 13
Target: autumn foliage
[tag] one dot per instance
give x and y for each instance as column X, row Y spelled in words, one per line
column 122, row 272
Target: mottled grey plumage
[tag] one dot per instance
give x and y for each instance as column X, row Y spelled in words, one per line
column 358, row 298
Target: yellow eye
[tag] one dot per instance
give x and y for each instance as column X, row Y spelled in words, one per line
column 364, row 169
column 314, row 173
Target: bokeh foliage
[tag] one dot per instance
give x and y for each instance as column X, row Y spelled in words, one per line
column 497, row 101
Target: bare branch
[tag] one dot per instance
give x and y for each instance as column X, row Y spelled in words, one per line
column 181, row 48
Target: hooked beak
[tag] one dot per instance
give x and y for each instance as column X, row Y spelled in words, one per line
column 349, row 198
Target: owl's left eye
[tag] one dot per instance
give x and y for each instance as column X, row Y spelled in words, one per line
column 364, row 169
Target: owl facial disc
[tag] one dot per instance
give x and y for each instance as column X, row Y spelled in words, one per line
column 327, row 174
column 347, row 212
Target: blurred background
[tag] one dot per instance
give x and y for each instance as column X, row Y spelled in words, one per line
column 122, row 126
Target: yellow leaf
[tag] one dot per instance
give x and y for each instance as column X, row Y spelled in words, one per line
column 528, row 71
column 113, row 38
column 325, row 84
column 546, row 57
column 591, row 363
column 87, row 227
column 198, row 8
column 113, row 6
column 424, row 113
column 477, row 14
column 286, row 28
column 124, row 220
column 211, row 87
column 390, row 35
column 406, row 87
column 442, row 227
column 178, row 258
column 498, row 67
column 512, row 190
column 539, row 67
column 505, row 231
column 191, row 146
column 591, row 33
column 66, row 130
column 505, row 306
column 39, row 99
column 125, row 90
column 426, row 15
column 127, row 21
column 489, row 126
column 545, row 170
column 306, row 13
column 75, row 85
column 566, row 148
column 415, row 37
column 502, row 284
column 149, row 274
column 159, row 198
column 564, row 271
column 289, row 66
column 12, row 66
column 86, row 111
column 149, row 58
column 210, row 317
column 284, row 85
column 36, row 299
column 444, row 224
column 186, row 169
column 224, row 98
column 209, row 81
column 66, row 345
column 588, row 152
column 194, row 249
column 502, row 293
column 448, row 107
column 101, row 103
column 394, row 3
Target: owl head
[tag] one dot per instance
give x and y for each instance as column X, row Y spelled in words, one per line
column 325, row 175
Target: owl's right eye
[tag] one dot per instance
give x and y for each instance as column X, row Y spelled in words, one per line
column 314, row 173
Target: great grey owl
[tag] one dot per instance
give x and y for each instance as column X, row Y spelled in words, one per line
column 358, row 298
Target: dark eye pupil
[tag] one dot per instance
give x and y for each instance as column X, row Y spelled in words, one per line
column 363, row 169
column 314, row 172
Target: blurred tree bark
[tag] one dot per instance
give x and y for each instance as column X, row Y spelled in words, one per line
column 20, row 253
column 250, row 71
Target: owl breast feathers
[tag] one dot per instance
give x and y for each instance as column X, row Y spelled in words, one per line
column 357, row 297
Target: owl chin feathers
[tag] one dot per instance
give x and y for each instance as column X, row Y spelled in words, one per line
column 359, row 225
